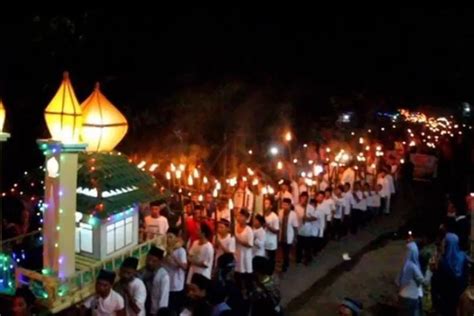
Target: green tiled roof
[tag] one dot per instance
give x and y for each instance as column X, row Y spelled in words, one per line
column 109, row 171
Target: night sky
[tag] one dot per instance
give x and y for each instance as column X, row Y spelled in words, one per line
column 401, row 56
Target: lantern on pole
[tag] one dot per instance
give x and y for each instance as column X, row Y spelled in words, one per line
column 2, row 116
column 63, row 114
column 104, row 125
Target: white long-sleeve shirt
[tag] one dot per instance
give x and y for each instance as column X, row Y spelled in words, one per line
column 259, row 242
column 244, row 199
column 137, row 290
column 158, row 290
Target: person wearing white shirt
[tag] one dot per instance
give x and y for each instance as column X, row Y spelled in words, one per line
column 385, row 193
column 105, row 302
column 288, row 231
column 157, row 281
column 243, row 251
column 284, row 193
column 306, row 214
column 347, row 195
column 330, row 209
column 259, row 236
column 225, row 242
column 391, row 186
column 302, row 187
column 155, row 223
column 272, row 227
column 243, row 197
column 373, row 202
column 201, row 254
column 295, row 191
column 222, row 211
column 358, row 203
column 366, row 213
column 131, row 288
column 348, row 176
column 339, row 212
column 321, row 211
column 176, row 263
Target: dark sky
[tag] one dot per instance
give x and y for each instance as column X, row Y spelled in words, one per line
column 418, row 55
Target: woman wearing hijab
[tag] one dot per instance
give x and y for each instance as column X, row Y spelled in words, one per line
column 410, row 281
column 451, row 275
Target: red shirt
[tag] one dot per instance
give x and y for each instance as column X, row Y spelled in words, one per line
column 193, row 228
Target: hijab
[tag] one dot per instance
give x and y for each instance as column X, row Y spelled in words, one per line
column 411, row 267
column 453, row 258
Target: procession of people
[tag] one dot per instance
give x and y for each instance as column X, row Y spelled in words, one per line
column 222, row 261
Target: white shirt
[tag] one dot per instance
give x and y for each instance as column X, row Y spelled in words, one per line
column 348, row 176
column 321, row 216
column 339, row 207
column 228, row 242
column 329, row 209
column 259, row 242
column 156, row 226
column 306, row 229
column 323, row 185
column 373, row 200
column 244, row 255
column 290, row 227
column 362, row 204
column 223, row 214
column 271, row 239
column 203, row 253
column 391, row 184
column 175, row 272
column 384, row 182
column 158, row 289
column 105, row 306
column 284, row 195
column 295, row 192
column 302, row 188
column 347, row 198
column 244, row 199
column 137, row 290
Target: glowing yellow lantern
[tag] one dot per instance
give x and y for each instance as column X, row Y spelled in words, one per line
column 104, row 126
column 63, row 114
column 2, row 116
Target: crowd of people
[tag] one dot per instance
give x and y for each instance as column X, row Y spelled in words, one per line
column 436, row 278
column 223, row 261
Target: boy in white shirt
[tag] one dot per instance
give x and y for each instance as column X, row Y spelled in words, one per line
column 201, row 254
column 155, row 223
column 306, row 214
column 131, row 288
column 222, row 210
column 385, row 193
column 358, row 204
column 339, row 212
column 225, row 242
column 330, row 209
column 347, row 194
column 259, row 236
column 288, row 231
column 272, row 228
column 320, row 222
column 157, row 281
column 373, row 202
column 176, row 263
column 105, row 302
column 367, row 213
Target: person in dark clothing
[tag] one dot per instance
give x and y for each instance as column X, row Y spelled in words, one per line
column 458, row 222
column 450, row 276
column 265, row 296
column 225, row 279
column 197, row 293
